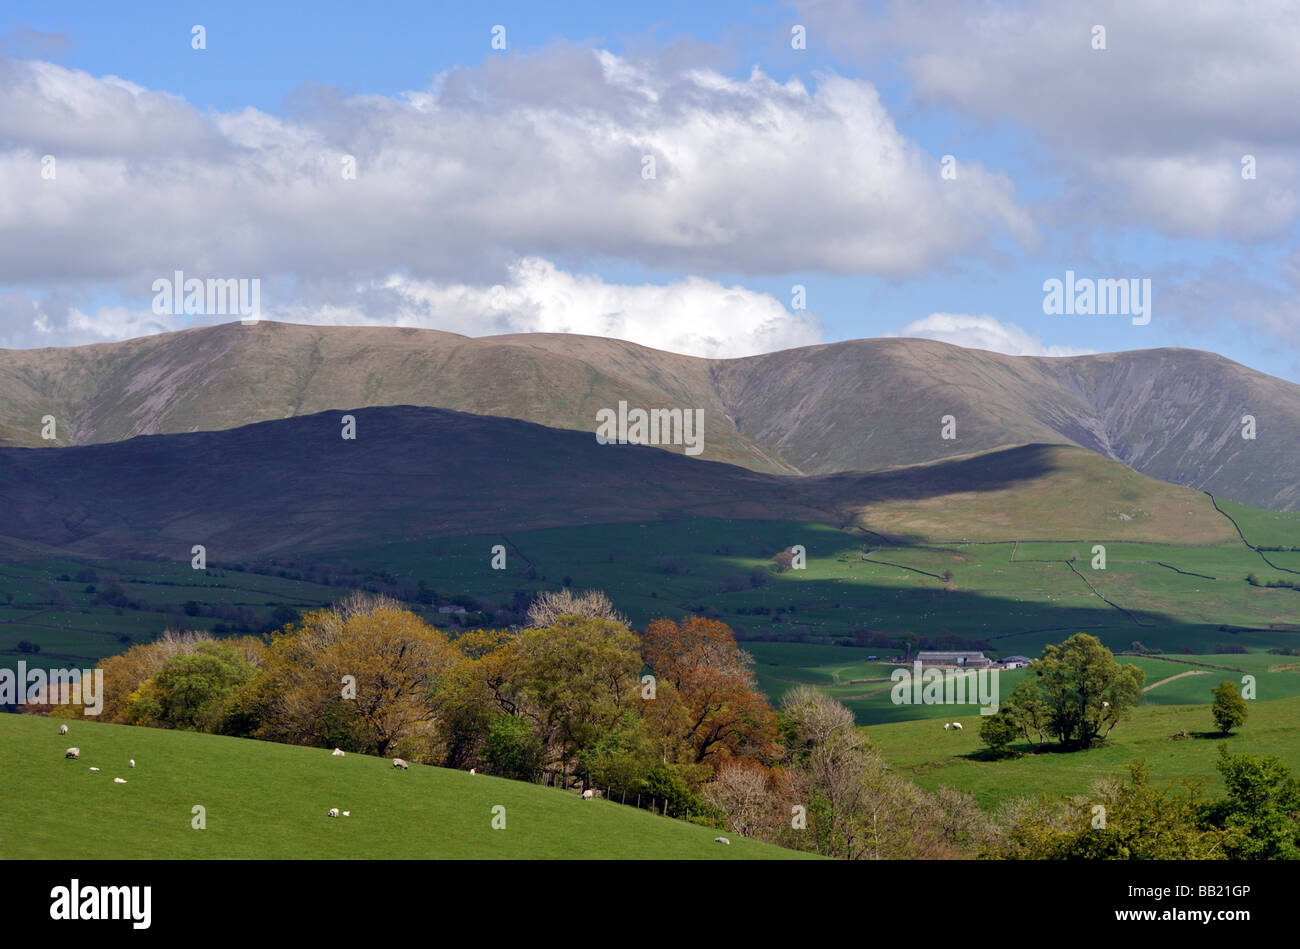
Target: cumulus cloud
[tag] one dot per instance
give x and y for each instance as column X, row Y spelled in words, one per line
column 1157, row 123
column 983, row 332
column 693, row 316
column 538, row 155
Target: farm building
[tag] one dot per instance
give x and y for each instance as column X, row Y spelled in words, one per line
column 1014, row 662
column 970, row 660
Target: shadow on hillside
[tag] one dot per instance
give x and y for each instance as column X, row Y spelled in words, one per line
column 992, row 471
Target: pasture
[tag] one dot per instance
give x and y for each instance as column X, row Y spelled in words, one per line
column 265, row 800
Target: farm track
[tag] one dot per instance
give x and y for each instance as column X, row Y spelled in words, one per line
column 1181, row 675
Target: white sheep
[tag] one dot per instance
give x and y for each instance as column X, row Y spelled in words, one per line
column 72, row 753
column 119, row 780
column 721, row 840
column 399, row 763
column 93, row 768
column 63, row 729
column 1105, row 705
column 588, row 794
column 347, row 813
column 472, row 771
column 957, row 725
column 946, row 726
column 133, row 762
column 337, row 752
column 334, row 812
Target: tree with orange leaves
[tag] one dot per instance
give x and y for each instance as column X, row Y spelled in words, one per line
column 724, row 713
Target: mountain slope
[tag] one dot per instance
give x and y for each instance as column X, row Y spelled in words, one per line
column 862, row 405
column 227, row 376
column 295, row 485
column 269, row 801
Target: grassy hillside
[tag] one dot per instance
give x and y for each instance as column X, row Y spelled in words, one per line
column 860, row 405
column 295, row 486
column 265, row 800
column 933, row 757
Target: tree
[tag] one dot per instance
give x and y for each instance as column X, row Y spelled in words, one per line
column 575, row 680
column 741, row 791
column 998, row 731
column 909, row 642
column 548, row 606
column 511, row 750
column 725, row 714
column 1260, row 817
column 1085, row 690
column 1230, row 708
column 192, row 691
column 621, row 757
column 831, row 755
column 480, row 684
column 1026, row 709
column 394, row 660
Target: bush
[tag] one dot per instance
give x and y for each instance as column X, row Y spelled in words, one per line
column 663, row 783
column 512, row 750
column 998, row 732
column 192, row 691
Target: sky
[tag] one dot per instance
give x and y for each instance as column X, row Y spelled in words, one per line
column 716, row 179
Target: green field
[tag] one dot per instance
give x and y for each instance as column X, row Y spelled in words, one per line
column 1005, row 598
column 265, row 800
column 836, row 669
column 924, row 752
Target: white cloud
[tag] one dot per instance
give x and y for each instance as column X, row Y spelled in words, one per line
column 1152, row 129
column 525, row 156
column 983, row 332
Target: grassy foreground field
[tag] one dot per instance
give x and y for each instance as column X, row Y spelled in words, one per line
column 925, row 753
column 266, row 800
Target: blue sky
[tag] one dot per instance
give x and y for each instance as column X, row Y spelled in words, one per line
column 516, row 171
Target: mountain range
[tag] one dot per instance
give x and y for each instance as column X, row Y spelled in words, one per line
column 295, row 486
column 856, row 406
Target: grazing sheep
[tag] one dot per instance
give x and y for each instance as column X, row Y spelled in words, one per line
column 119, row 780
column 472, row 771
column 721, row 840
column 337, row 752
column 93, row 768
column 946, row 726
column 588, row 794
column 133, row 762
column 347, row 813
column 957, row 725
column 72, row 753
column 399, row 763
column 63, row 729
column 334, row 812
column 1105, row 705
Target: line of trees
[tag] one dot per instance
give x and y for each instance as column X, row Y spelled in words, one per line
column 674, row 713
